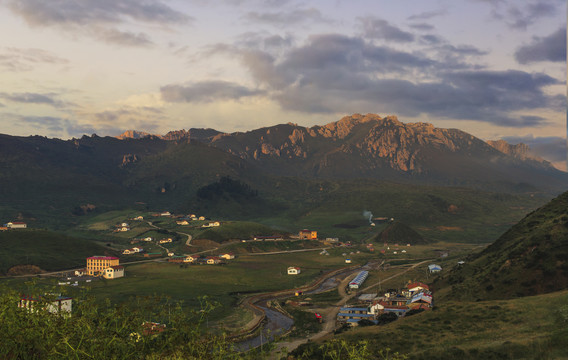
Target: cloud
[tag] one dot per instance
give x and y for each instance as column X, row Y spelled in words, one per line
column 375, row 28
column 426, row 15
column 100, row 18
column 33, row 98
column 86, row 12
column 124, row 38
column 522, row 16
column 422, row 26
column 16, row 59
column 339, row 74
column 548, row 48
column 286, row 18
column 206, row 91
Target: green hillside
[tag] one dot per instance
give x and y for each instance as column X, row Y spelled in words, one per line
column 47, row 250
column 534, row 327
column 531, row 258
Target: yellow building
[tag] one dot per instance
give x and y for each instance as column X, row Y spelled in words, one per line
column 96, row 265
column 308, row 234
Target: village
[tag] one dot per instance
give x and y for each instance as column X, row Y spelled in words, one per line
column 162, row 245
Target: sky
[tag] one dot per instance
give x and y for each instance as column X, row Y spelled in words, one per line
column 493, row 68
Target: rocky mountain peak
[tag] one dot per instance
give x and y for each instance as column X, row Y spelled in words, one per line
column 520, row 151
column 133, row 134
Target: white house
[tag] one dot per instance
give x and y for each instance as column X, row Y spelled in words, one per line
column 114, row 272
column 139, row 217
column 190, row 258
column 433, row 268
column 201, row 218
column 165, row 213
column 59, row 304
column 127, row 251
column 16, row 225
column 292, row 270
column 137, row 249
column 148, row 238
column 227, row 256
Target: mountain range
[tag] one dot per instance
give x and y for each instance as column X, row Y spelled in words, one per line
column 370, row 146
column 293, row 169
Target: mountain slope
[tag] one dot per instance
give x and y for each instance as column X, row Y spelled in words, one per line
column 400, row 233
column 531, row 258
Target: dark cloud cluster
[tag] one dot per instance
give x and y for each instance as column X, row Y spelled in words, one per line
column 548, row 48
column 336, row 73
column 33, row 98
column 206, row 91
column 100, row 18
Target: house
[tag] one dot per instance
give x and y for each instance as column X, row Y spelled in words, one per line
column 96, row 265
column 433, row 268
column 127, row 251
column 348, row 261
column 213, row 260
column 398, row 310
column 137, row 249
column 308, row 234
column 177, row 259
column 165, row 241
column 182, row 222
column 354, row 314
column 417, row 287
column 139, row 218
column 420, row 298
column 123, row 228
column 170, row 254
column 124, row 224
column 17, row 225
column 148, row 238
column 212, row 224
column 80, row 272
column 53, row 304
column 165, row 213
column 190, row 259
column 113, row 272
column 292, row 270
column 201, row 218
column 4, row 228
column 227, row 256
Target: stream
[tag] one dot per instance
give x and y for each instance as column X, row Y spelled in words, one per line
column 277, row 323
